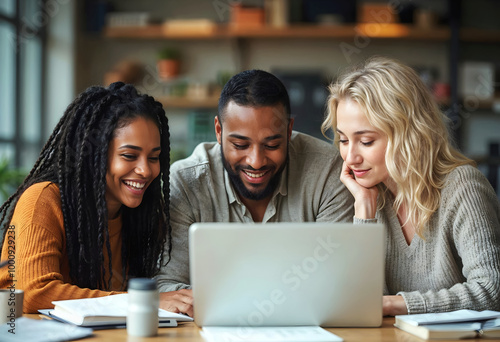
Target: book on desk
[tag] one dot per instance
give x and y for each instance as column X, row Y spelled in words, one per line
column 451, row 325
column 103, row 312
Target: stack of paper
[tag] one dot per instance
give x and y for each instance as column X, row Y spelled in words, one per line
column 452, row 325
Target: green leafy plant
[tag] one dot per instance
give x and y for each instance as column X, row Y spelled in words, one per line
column 169, row 53
column 10, row 179
column 223, row 77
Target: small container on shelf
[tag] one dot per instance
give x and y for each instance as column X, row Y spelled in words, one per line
column 168, row 64
column 127, row 19
column 477, row 80
column 441, row 92
column 198, row 91
column 425, row 19
column 377, row 13
column 242, row 16
column 276, row 12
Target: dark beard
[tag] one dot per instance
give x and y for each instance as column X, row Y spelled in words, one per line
column 242, row 189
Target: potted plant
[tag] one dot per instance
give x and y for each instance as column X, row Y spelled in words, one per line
column 10, row 179
column 168, row 63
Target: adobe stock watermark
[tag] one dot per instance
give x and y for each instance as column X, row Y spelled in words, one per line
column 292, row 279
column 151, row 81
column 31, row 25
column 10, row 235
column 224, row 6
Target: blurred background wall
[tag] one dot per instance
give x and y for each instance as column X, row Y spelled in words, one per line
column 53, row 49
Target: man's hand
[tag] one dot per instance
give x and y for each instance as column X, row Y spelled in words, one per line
column 177, row 301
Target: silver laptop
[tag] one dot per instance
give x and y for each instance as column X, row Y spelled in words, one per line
column 287, row 274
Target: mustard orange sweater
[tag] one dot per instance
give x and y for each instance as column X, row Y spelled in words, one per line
column 35, row 244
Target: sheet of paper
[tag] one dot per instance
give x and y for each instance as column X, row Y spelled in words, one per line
column 464, row 326
column 493, row 323
column 36, row 330
column 268, row 334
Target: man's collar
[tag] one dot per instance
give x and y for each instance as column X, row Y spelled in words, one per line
column 283, row 184
column 231, row 193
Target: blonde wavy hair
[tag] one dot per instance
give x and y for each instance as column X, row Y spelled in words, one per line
column 419, row 154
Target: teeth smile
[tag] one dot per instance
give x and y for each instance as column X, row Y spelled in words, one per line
column 255, row 175
column 135, row 184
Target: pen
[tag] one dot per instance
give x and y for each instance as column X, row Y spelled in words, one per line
column 4, row 263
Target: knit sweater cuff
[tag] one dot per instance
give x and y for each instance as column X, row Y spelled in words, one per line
column 415, row 302
column 173, row 287
column 363, row 221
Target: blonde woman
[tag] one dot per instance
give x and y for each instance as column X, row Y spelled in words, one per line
column 441, row 214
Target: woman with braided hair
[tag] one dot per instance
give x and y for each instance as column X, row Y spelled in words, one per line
column 94, row 210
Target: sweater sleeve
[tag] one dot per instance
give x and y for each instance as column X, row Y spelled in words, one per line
column 37, row 234
column 39, row 273
column 364, row 221
column 470, row 215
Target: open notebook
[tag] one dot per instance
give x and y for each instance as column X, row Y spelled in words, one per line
column 103, row 312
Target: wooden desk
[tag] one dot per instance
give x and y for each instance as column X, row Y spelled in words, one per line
column 189, row 332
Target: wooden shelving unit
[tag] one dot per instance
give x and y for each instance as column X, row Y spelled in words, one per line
column 479, row 35
column 373, row 30
column 158, row 32
column 487, row 104
column 297, row 31
column 458, row 41
column 382, row 31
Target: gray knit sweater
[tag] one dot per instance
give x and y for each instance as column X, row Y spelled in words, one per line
column 457, row 266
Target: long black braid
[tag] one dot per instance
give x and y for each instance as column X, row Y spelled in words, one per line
column 76, row 157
